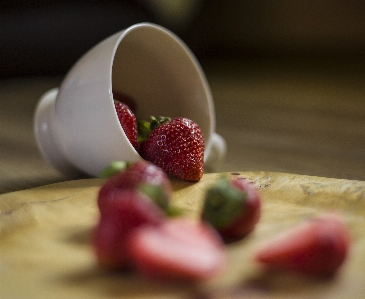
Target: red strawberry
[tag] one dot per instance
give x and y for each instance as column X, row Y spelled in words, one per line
column 177, row 146
column 317, row 247
column 128, row 122
column 119, row 219
column 177, row 249
column 141, row 175
column 126, row 99
column 233, row 207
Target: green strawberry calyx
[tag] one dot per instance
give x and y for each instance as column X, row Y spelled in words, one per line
column 113, row 168
column 157, row 194
column 146, row 127
column 223, row 204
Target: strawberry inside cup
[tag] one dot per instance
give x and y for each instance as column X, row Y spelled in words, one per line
column 176, row 145
column 128, row 121
column 126, row 99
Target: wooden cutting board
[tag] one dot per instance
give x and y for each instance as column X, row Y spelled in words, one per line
column 46, row 253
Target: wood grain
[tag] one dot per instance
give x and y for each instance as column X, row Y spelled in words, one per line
column 45, row 237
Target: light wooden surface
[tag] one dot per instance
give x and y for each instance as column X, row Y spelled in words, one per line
column 305, row 117
column 45, row 241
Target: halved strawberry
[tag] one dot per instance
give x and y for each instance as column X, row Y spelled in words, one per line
column 128, row 121
column 141, row 175
column 233, row 207
column 120, row 217
column 177, row 249
column 318, row 246
column 177, row 146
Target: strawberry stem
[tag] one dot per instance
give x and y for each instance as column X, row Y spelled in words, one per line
column 146, row 127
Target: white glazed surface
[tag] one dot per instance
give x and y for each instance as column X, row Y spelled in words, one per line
column 145, row 61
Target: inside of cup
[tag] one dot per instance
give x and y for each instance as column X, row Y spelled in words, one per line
column 155, row 69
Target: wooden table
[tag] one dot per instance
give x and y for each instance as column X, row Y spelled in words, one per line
column 276, row 116
column 296, row 116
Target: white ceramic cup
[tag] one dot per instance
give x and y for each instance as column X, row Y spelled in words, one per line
column 76, row 127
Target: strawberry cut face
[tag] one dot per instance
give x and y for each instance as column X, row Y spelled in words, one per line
column 178, row 249
column 318, row 247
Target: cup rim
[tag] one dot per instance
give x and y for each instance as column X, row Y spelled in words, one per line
column 190, row 55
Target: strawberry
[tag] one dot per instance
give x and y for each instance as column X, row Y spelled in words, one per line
column 128, row 121
column 233, row 207
column 126, row 99
column 129, row 210
column 141, row 175
column 317, row 247
column 177, row 249
column 177, row 146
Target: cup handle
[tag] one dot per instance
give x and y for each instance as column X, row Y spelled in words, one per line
column 217, row 152
column 45, row 135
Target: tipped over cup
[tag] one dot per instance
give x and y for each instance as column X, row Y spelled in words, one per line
column 76, row 126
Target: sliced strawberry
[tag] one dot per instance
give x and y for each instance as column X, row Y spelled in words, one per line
column 177, row 146
column 141, row 175
column 129, row 210
column 233, row 207
column 319, row 247
column 177, row 249
column 128, row 122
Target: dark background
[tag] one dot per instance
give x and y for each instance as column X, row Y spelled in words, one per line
column 287, row 77
column 46, row 37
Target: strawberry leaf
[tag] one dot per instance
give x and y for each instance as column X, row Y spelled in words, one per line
column 223, row 204
column 156, row 193
column 113, row 168
column 146, row 127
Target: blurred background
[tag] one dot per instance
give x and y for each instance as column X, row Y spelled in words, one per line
column 43, row 37
column 287, row 76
